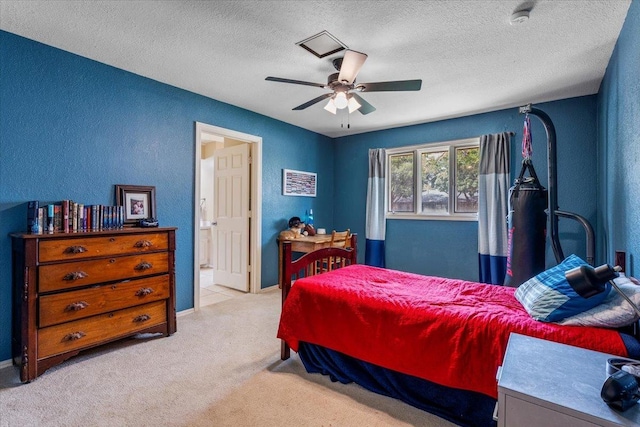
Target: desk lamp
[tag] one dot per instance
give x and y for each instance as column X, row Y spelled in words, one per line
column 588, row 281
column 621, row 390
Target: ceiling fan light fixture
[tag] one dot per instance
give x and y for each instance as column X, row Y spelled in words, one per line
column 340, row 100
column 343, row 87
column 353, row 104
column 331, row 107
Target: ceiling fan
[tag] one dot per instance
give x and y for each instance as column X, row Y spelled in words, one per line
column 344, row 87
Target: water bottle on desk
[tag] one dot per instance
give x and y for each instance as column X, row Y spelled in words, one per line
column 308, row 227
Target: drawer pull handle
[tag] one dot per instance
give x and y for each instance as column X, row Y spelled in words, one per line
column 75, row 275
column 75, row 250
column 142, row 318
column 143, row 244
column 77, row 306
column 74, row 336
column 143, row 266
column 144, row 292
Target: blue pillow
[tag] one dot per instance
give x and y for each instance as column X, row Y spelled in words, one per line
column 548, row 297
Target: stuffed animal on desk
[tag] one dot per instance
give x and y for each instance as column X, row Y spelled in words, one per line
column 295, row 229
column 309, row 230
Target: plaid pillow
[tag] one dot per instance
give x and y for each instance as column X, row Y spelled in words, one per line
column 614, row 312
column 548, row 297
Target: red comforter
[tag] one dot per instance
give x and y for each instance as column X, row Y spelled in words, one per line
column 451, row 332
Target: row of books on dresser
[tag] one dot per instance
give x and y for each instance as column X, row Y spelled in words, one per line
column 68, row 216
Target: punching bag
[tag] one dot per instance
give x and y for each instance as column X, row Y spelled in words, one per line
column 527, row 222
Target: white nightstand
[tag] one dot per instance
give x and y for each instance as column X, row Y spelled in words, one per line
column 547, row 384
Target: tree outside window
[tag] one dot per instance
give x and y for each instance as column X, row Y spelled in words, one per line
column 401, row 183
column 435, row 182
column 445, row 175
column 467, row 162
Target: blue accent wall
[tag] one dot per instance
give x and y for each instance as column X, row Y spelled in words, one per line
column 72, row 128
column 619, row 147
column 450, row 248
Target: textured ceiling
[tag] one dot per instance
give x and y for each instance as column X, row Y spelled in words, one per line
column 469, row 57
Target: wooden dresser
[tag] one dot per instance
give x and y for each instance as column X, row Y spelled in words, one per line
column 73, row 291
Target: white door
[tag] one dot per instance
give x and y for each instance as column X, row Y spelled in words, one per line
column 231, row 218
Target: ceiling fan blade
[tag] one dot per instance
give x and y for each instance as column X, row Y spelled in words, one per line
column 313, row 101
column 396, row 86
column 351, row 64
column 365, row 107
column 296, row 82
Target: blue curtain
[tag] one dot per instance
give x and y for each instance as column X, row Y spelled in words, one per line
column 376, row 224
column 493, row 199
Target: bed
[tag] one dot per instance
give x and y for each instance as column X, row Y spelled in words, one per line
column 432, row 342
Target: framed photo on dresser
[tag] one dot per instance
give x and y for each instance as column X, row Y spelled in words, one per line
column 139, row 202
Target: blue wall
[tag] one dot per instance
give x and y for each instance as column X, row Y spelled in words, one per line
column 450, row 248
column 619, row 146
column 72, row 128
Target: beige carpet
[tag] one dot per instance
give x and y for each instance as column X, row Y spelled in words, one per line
column 222, row 368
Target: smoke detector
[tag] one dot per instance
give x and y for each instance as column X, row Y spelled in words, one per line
column 519, row 17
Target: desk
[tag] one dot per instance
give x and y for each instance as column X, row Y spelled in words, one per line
column 304, row 244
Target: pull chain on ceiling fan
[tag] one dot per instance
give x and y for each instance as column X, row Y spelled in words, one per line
column 344, row 87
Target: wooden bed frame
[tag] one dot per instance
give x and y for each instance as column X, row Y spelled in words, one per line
column 330, row 258
column 458, row 404
column 310, row 264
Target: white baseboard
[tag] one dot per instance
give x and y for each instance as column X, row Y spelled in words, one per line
column 185, row 312
column 6, row 363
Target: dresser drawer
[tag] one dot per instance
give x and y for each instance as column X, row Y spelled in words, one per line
column 97, row 329
column 78, row 248
column 68, row 275
column 74, row 305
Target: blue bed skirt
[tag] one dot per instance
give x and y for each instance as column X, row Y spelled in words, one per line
column 631, row 342
column 462, row 407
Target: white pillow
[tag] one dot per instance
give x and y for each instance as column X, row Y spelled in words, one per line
column 614, row 311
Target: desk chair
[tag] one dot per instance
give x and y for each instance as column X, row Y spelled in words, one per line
column 336, row 241
column 336, row 236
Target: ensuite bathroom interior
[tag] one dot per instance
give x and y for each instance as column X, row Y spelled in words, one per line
column 211, row 292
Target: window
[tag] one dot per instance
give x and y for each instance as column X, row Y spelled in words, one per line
column 434, row 181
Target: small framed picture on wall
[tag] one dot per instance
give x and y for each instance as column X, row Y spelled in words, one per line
column 298, row 183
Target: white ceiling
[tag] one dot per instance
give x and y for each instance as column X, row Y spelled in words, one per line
column 469, row 57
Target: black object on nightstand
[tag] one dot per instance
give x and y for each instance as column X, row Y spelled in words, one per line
column 620, row 391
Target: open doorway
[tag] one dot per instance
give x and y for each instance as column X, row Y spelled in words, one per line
column 227, row 220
